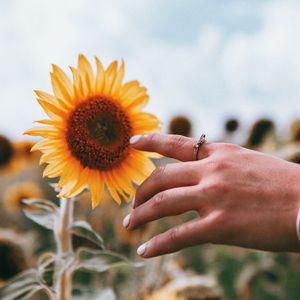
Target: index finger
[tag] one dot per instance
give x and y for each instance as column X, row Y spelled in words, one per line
column 175, row 146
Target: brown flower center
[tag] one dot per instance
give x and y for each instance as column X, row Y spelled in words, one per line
column 98, row 133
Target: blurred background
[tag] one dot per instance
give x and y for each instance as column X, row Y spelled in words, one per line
column 230, row 69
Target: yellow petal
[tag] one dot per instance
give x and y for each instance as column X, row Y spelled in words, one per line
column 133, row 93
column 60, row 91
column 100, row 78
column 44, row 131
column 128, row 86
column 54, row 112
column 43, row 144
column 96, row 187
column 80, row 185
column 144, row 122
column 138, row 162
column 123, row 183
column 111, row 185
column 78, row 89
column 139, row 103
column 85, row 68
column 64, row 79
column 54, row 170
column 54, row 156
column 69, row 177
column 118, row 80
column 110, row 75
column 45, row 96
column 58, row 124
column 72, row 188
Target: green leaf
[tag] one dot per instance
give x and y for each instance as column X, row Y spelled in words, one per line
column 46, row 268
column 95, row 294
column 21, row 287
column 42, row 212
column 99, row 260
column 84, row 229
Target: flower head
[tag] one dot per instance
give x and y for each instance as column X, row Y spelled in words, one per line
column 6, row 151
column 86, row 138
column 14, row 195
column 180, row 125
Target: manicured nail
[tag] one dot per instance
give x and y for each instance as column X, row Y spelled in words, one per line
column 141, row 249
column 133, row 202
column 134, row 139
column 126, row 221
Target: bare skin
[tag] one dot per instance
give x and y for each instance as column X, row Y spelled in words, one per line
column 242, row 197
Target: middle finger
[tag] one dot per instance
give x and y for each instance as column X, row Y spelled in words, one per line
column 167, row 177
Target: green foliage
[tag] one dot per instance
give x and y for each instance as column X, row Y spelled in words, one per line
column 84, row 229
column 22, row 286
column 96, row 294
column 42, row 212
column 99, row 260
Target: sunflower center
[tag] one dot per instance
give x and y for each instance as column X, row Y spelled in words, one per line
column 104, row 129
column 98, row 133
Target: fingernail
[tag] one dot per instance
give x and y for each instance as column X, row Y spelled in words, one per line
column 141, row 249
column 134, row 139
column 126, row 221
column 132, row 202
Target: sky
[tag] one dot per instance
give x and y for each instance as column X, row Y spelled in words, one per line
column 208, row 60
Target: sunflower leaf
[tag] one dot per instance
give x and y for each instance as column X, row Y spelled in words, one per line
column 95, row 294
column 46, row 268
column 84, row 229
column 42, row 212
column 99, row 260
column 21, row 287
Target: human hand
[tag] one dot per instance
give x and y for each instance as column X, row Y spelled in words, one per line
column 242, row 197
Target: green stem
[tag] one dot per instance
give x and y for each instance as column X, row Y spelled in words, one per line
column 63, row 236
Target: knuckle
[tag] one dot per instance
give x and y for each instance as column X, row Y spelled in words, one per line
column 231, row 147
column 138, row 192
column 218, row 165
column 152, row 138
column 218, row 226
column 173, row 235
column 220, row 187
column 159, row 172
column 158, row 201
column 216, row 188
column 177, row 141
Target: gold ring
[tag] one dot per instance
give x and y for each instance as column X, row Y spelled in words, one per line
column 198, row 144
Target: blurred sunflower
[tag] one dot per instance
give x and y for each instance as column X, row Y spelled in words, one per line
column 16, row 252
column 295, row 131
column 87, row 136
column 23, row 150
column 14, row 195
column 6, row 151
column 180, row 125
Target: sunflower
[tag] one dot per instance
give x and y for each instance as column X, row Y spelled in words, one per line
column 16, row 252
column 23, row 148
column 14, row 195
column 6, row 151
column 180, row 125
column 86, row 139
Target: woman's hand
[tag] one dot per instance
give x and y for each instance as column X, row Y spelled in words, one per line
column 242, row 197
